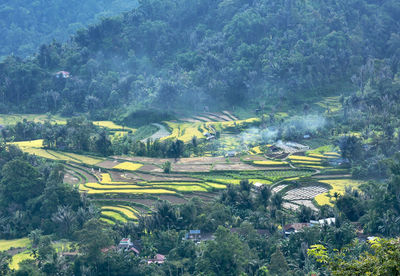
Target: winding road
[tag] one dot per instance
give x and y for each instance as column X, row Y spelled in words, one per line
column 161, row 133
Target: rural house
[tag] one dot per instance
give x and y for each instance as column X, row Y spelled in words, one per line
column 62, row 74
column 158, row 259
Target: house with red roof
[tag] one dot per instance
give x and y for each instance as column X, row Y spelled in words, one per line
column 158, row 259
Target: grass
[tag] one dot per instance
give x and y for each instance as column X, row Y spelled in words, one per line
column 18, row 243
column 35, row 147
column 300, row 162
column 338, row 186
column 98, row 186
column 304, row 158
column 120, row 209
column 128, row 166
column 183, row 188
column 129, row 191
column 313, row 167
column 270, row 163
column 106, row 179
column 17, row 258
column 29, row 144
column 115, row 216
column 113, row 126
column 185, row 131
column 216, row 185
column 256, row 150
column 108, row 221
column 331, row 103
column 228, row 180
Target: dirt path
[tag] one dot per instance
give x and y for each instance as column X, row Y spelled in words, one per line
column 162, row 132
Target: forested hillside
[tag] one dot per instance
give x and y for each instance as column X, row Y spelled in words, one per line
column 173, row 53
column 25, row 25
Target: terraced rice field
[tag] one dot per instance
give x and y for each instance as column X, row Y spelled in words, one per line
column 140, row 180
column 303, row 158
column 16, row 259
column 113, row 126
column 330, row 104
column 338, row 187
column 35, row 147
column 128, row 166
column 270, row 163
column 17, row 243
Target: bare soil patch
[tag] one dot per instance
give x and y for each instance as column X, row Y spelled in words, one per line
column 332, row 176
column 191, row 168
column 90, row 177
column 164, row 177
column 253, row 158
column 141, row 159
column 173, row 199
column 71, row 178
column 306, row 203
column 108, row 164
column 236, row 167
column 150, row 168
column 124, row 177
column 201, row 160
column 230, row 115
column 302, row 193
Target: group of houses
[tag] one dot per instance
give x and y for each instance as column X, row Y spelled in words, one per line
column 292, row 228
column 134, row 247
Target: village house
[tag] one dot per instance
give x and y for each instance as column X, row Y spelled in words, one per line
column 62, row 74
column 127, row 245
column 295, row 227
column 158, row 259
column 197, row 237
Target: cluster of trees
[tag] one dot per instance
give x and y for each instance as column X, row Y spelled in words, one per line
column 77, row 135
column 238, row 246
column 177, row 53
column 25, row 25
column 33, row 196
column 370, row 121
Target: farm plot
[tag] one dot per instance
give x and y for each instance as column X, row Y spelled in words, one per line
column 270, row 163
column 113, row 126
column 128, row 166
column 35, row 147
column 338, row 188
column 17, row 243
column 116, row 212
column 304, row 195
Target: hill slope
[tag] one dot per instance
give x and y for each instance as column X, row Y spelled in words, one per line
column 179, row 53
column 25, row 25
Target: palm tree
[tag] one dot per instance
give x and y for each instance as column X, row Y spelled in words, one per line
column 35, row 236
column 65, row 217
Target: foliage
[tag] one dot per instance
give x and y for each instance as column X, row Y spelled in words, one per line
column 384, row 259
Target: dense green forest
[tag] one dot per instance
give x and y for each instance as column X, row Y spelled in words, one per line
column 171, row 54
column 25, row 25
column 309, row 89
